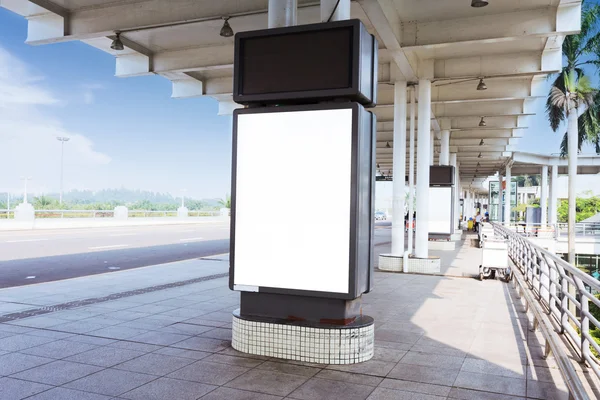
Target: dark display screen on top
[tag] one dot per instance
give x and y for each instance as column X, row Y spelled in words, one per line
column 295, row 62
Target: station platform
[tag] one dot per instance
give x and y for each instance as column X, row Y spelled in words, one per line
column 164, row 332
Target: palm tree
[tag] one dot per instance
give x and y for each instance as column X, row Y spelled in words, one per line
column 579, row 50
column 226, row 202
column 576, row 95
column 42, row 202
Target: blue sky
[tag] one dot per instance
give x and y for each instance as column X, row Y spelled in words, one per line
column 124, row 132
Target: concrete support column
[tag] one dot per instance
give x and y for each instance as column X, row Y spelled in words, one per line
column 553, row 203
column 507, row 197
column 423, row 163
column 411, row 167
column 399, row 157
column 500, row 205
column 544, row 196
column 445, row 150
column 282, row 13
column 454, row 163
column 432, row 148
column 342, row 11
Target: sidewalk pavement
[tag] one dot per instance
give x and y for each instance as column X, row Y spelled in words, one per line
column 67, row 223
column 163, row 332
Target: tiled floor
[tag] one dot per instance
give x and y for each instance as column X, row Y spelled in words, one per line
column 436, row 338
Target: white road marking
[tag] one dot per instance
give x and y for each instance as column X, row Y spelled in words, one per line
column 191, row 239
column 113, row 268
column 122, row 234
column 114, row 246
column 30, row 277
column 24, row 240
column 187, row 230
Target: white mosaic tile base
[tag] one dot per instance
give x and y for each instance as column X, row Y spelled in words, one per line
column 388, row 262
column 300, row 343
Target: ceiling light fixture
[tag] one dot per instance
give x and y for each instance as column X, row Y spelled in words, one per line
column 481, row 85
column 479, row 3
column 481, row 143
column 479, row 156
column 116, row 43
column 482, row 122
column 387, row 145
column 378, row 166
column 226, row 30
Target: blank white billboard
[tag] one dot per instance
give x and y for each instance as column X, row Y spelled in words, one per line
column 440, row 210
column 292, row 206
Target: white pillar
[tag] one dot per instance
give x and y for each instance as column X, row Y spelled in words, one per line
column 544, row 195
column 454, row 163
column 500, row 206
column 507, row 197
column 411, row 168
column 342, row 11
column 553, row 203
column 572, row 144
column 399, row 158
column 423, row 155
column 432, row 148
column 282, row 13
column 445, row 149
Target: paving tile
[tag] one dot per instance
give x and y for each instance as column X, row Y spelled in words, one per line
column 173, row 351
column 230, row 351
column 270, row 382
column 491, row 383
column 287, row 368
column 14, row 329
column 331, row 390
column 185, row 329
column 546, row 391
column 206, row 322
column 151, row 309
column 42, row 321
column 219, row 316
column 359, row 379
column 218, row 333
column 105, row 356
column 432, row 360
column 50, row 334
column 417, row 373
column 208, row 372
column 393, row 345
column 224, row 393
column 468, row 394
column 57, row 373
column 233, row 360
column 159, row 338
column 544, row 374
column 372, row 367
column 16, row 389
column 59, row 349
column 185, row 313
column 495, row 367
column 127, row 345
column 60, row 393
column 388, row 355
column 111, row 382
column 12, row 363
column 203, row 344
column 118, row 332
column 396, row 336
column 79, row 327
column 392, row 394
column 417, row 387
column 155, row 364
column 166, row 389
column 90, row 340
column 20, row 342
column 126, row 315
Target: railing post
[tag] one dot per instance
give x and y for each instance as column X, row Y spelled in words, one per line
column 564, row 318
column 585, row 322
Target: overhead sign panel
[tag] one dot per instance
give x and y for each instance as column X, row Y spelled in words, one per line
column 306, row 63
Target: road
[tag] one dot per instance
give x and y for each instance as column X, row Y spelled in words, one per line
column 28, row 257
column 36, row 256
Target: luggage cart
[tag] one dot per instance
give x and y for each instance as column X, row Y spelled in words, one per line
column 486, row 231
column 494, row 259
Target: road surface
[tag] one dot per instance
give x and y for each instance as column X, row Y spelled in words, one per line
column 28, row 257
column 35, row 256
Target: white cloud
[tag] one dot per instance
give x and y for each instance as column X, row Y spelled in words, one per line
column 88, row 92
column 28, row 144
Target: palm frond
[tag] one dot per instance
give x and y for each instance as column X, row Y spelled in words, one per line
column 558, row 98
column 564, row 146
column 556, row 114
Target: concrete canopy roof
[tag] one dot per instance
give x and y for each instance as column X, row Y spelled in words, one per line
column 513, row 44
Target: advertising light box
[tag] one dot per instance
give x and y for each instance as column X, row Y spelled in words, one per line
column 302, row 200
column 441, row 210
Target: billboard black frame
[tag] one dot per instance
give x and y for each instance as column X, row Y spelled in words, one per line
column 362, row 200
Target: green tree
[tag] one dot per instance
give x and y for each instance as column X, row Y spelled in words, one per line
column 585, row 208
column 44, row 203
column 226, row 202
column 578, row 51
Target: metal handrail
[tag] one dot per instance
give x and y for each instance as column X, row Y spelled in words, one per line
column 561, row 289
column 110, row 213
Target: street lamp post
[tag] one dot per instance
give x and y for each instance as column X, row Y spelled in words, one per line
column 25, row 179
column 62, row 140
